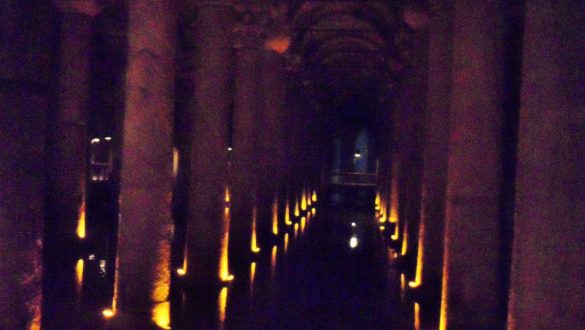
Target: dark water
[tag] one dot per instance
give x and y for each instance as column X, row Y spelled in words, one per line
column 329, row 275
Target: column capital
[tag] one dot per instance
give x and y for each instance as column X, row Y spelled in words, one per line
column 85, row 7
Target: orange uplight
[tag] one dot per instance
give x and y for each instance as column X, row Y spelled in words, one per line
column 303, row 201
column 314, row 196
column 161, row 315
column 175, row 162
column 303, row 224
column 161, row 311
column 81, row 222
column 278, row 44
column 285, row 242
column 309, row 201
column 396, row 234
column 296, row 229
column 297, row 209
column 275, row 215
column 404, row 248
column 254, row 244
column 444, row 288
column 377, row 201
column 287, row 213
column 419, row 258
column 224, row 272
column 108, row 313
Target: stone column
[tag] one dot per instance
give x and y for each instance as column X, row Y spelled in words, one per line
column 270, row 124
column 548, row 264
column 70, row 142
column 244, row 175
column 434, row 185
column 207, row 226
column 25, row 97
column 411, row 106
column 145, row 224
column 471, row 293
column 65, row 222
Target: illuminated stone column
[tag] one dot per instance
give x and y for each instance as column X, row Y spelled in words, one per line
column 145, row 224
column 271, row 138
column 244, row 156
column 25, row 96
column 471, row 293
column 65, row 222
column 208, row 225
column 70, row 144
column 434, row 185
column 411, row 107
column 548, row 263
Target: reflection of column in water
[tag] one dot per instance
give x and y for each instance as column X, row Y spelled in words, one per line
column 79, row 275
column 285, row 242
column 303, row 224
column 221, row 306
column 402, row 286
column 252, row 276
column 273, row 259
column 296, row 232
column 416, row 316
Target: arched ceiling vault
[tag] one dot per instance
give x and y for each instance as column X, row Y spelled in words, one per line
column 347, row 50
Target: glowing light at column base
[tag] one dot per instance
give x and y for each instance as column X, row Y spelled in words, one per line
column 224, row 272
column 396, row 234
column 254, row 244
column 161, row 315
column 81, row 222
column 297, row 210
column 313, row 211
column 303, row 201
column 161, row 311
column 275, row 215
column 108, row 313
column 303, row 224
column 287, row 214
column 314, row 196
column 419, row 258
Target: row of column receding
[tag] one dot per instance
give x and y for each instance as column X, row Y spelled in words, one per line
column 484, row 176
column 258, row 168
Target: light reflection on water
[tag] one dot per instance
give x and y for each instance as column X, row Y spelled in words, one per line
column 222, row 306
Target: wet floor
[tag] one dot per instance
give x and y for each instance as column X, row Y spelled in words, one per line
column 332, row 272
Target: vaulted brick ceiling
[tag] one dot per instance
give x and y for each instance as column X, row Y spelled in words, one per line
column 347, row 50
